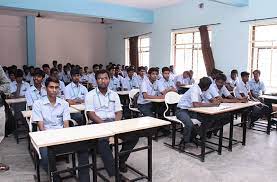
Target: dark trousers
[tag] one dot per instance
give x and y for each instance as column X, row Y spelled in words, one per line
column 149, row 109
column 83, row 159
column 78, row 117
column 184, row 116
column 259, row 111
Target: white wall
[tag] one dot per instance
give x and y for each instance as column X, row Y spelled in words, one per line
column 66, row 41
column 12, row 40
column 229, row 40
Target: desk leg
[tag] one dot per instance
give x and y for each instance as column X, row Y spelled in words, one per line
column 268, row 125
column 203, row 145
column 149, row 138
column 244, row 121
column 231, row 133
column 173, row 134
column 116, row 160
column 51, row 164
column 94, row 169
column 220, row 141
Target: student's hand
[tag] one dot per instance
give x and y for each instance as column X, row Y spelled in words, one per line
column 243, row 100
column 216, row 102
column 160, row 97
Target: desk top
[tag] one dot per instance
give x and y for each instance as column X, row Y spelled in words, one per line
column 271, row 97
column 186, row 86
column 223, row 108
column 16, row 100
column 68, row 135
column 28, row 114
column 155, row 100
column 126, row 92
column 129, row 125
column 79, row 107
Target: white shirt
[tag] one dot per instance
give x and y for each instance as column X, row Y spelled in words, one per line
column 243, row 88
column 73, row 91
column 66, row 77
column 213, row 92
column 115, row 83
column 53, row 117
column 149, row 88
column 85, row 77
column 60, row 74
column 91, row 79
column 140, row 79
column 194, row 94
column 129, row 83
column 27, row 77
column 23, row 89
column 164, row 84
column 183, row 80
column 257, row 87
column 62, row 87
column 232, row 82
column 104, row 106
column 34, row 94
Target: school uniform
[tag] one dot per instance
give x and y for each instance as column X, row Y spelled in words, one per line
column 172, row 76
column 85, row 77
column 53, row 117
column 130, row 83
column 76, row 91
column 62, row 88
column 19, row 91
column 27, row 77
column 60, row 75
column 34, row 94
column 214, row 92
column 182, row 80
column 66, row 78
column 105, row 107
column 115, row 83
column 191, row 81
column 256, row 87
column 243, row 88
column 233, row 83
column 91, row 79
column 140, row 79
column 164, row 84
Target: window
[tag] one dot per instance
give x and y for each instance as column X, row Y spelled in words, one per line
column 263, row 48
column 143, row 51
column 187, row 53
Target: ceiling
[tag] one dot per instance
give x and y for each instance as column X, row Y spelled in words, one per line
column 145, row 4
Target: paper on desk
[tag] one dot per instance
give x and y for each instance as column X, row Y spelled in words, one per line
column 223, row 107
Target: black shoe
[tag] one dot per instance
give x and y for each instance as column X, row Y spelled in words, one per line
column 123, row 167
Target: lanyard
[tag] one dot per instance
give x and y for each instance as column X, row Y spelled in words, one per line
column 99, row 100
column 75, row 95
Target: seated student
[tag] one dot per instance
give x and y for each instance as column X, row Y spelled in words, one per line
column 165, row 84
column 130, row 82
column 191, row 79
column 149, row 90
column 91, row 77
column 37, row 91
column 85, row 75
column 55, row 64
column 213, row 74
column 218, row 91
column 103, row 105
column 141, row 75
column 232, row 81
column 257, row 86
column 46, row 69
column 118, row 75
column 75, row 93
column 183, row 79
column 11, row 77
column 60, row 68
column 242, row 90
column 51, row 112
column 114, row 83
column 19, row 87
column 172, row 72
column 55, row 73
column 27, row 75
column 66, row 74
column 192, row 98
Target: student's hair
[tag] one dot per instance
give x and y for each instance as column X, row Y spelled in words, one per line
column 39, row 72
column 55, row 61
column 165, row 69
column 85, row 67
column 19, row 73
column 221, row 76
column 110, row 68
column 257, row 71
column 53, row 70
column 75, row 71
column 234, row 72
column 141, row 68
column 216, row 71
column 153, row 69
column 101, row 72
column 11, row 72
column 51, row 79
column 94, row 66
column 117, row 68
column 244, row 73
column 204, row 82
column 45, row 66
column 130, row 69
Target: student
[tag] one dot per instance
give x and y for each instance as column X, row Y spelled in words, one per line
column 114, row 83
column 141, row 75
column 149, row 90
column 19, row 87
column 218, row 91
column 192, row 98
column 60, row 69
column 66, row 74
column 55, row 64
column 55, row 73
column 118, row 75
column 103, row 105
column 214, row 73
column 85, row 75
column 183, row 79
column 172, row 72
column 92, row 80
column 37, row 91
column 27, row 75
column 165, row 84
column 242, row 90
column 75, row 94
column 130, row 82
column 51, row 112
column 46, row 69
column 232, row 81
column 191, row 79
column 257, row 86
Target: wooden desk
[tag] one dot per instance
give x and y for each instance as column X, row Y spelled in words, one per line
column 69, row 140
column 15, row 101
column 142, row 127
column 121, row 93
column 269, row 100
column 28, row 114
column 186, row 86
column 155, row 100
column 79, row 107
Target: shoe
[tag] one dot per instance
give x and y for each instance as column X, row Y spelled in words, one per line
column 123, row 167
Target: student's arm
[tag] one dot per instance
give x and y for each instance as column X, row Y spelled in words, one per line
column 66, row 116
column 41, row 126
column 146, row 96
column 118, row 115
column 201, row 104
column 90, row 108
column 37, row 115
column 93, row 117
column 118, row 108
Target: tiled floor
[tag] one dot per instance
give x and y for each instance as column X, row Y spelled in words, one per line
column 255, row 162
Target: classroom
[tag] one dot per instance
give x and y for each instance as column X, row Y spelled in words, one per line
column 137, row 90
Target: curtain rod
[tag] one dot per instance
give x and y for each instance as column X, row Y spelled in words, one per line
column 195, row 26
column 244, row 21
column 138, row 35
